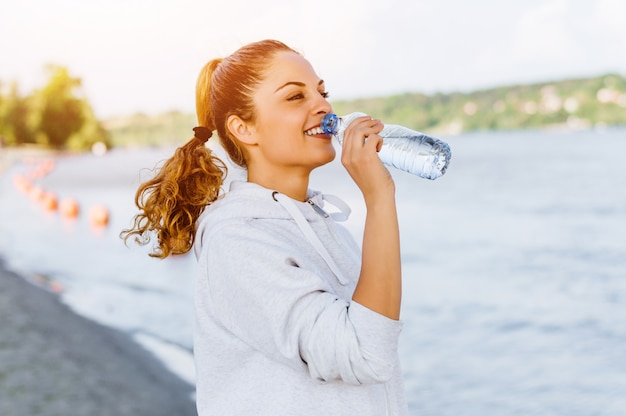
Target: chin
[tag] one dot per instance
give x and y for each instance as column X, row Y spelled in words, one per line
column 324, row 160
column 330, row 157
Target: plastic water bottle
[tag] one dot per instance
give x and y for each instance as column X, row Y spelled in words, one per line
column 403, row 148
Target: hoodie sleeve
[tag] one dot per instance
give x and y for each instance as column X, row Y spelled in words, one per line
column 261, row 294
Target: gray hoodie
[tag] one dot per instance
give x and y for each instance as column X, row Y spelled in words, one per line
column 276, row 330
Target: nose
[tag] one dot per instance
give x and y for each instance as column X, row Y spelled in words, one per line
column 322, row 106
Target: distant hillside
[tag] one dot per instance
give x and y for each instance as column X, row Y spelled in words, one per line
column 574, row 104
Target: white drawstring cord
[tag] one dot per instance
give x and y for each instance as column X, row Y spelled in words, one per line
column 344, row 209
column 306, row 229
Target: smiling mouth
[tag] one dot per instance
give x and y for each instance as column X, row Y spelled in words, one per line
column 314, row 131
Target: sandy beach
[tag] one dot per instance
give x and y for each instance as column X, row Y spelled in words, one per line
column 55, row 362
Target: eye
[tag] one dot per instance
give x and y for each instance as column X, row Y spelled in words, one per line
column 325, row 94
column 296, row 96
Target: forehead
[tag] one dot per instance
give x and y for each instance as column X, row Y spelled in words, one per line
column 289, row 67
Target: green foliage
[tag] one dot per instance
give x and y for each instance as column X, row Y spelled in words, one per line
column 61, row 113
column 575, row 103
column 56, row 116
column 16, row 126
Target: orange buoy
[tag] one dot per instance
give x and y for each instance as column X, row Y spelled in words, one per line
column 69, row 208
column 56, row 287
column 21, row 184
column 49, row 201
column 36, row 193
column 98, row 216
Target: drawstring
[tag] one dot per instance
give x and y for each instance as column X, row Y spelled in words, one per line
column 307, row 230
column 344, row 209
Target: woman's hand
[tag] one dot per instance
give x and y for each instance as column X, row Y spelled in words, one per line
column 380, row 281
column 360, row 147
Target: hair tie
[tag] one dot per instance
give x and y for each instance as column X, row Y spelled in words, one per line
column 202, row 133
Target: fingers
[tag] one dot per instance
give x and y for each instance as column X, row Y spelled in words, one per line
column 358, row 132
column 361, row 142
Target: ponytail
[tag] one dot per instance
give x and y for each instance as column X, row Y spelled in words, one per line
column 172, row 201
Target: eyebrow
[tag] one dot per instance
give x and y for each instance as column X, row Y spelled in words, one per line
column 299, row 84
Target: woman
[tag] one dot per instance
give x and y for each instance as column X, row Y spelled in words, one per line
column 291, row 317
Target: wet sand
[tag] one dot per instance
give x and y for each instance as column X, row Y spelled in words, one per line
column 55, row 362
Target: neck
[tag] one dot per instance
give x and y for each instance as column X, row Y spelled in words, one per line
column 292, row 184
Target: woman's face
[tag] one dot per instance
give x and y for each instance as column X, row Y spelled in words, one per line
column 289, row 103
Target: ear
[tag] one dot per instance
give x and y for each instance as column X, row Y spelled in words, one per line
column 241, row 130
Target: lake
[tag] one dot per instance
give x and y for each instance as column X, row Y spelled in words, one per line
column 514, row 267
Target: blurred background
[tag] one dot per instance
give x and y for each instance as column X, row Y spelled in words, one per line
column 514, row 261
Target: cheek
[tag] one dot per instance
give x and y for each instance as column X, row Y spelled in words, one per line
column 278, row 145
column 288, row 146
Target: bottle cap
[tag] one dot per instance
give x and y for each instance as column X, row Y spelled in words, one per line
column 330, row 124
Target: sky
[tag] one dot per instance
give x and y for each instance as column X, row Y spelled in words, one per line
column 145, row 55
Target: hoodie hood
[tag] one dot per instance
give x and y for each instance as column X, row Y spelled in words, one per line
column 247, row 200
column 250, row 200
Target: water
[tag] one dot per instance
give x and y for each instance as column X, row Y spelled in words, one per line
column 402, row 148
column 514, row 269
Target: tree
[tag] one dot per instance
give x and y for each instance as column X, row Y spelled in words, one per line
column 61, row 112
column 65, row 119
column 16, row 125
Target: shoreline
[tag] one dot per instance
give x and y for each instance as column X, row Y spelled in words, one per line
column 56, row 362
column 9, row 156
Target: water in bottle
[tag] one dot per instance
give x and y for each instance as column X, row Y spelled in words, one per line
column 403, row 148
